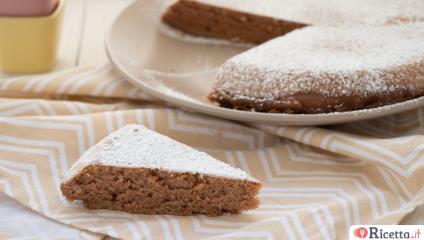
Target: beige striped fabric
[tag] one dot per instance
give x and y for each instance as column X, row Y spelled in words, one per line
column 316, row 181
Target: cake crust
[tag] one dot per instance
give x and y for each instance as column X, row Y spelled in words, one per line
column 310, row 103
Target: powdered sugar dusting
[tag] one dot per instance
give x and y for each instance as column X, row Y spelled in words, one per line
column 135, row 146
column 359, row 61
column 329, row 12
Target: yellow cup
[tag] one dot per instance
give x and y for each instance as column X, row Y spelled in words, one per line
column 29, row 44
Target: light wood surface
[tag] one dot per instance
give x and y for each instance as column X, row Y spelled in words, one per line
column 84, row 27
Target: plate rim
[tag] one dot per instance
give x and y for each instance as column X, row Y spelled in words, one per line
column 254, row 117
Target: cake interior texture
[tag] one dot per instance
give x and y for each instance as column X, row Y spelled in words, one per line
column 197, row 18
column 154, row 191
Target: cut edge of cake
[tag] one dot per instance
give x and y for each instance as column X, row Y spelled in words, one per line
column 219, row 22
column 256, row 21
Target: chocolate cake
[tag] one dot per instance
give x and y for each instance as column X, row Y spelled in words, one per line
column 326, row 69
column 140, row 171
column 257, row 21
column 215, row 21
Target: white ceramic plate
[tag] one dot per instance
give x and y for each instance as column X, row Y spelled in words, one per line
column 181, row 72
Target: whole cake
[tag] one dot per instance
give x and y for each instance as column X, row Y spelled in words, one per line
column 256, row 21
column 140, row 171
column 326, row 69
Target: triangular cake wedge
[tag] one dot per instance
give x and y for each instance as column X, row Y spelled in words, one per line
column 140, row 171
column 256, row 21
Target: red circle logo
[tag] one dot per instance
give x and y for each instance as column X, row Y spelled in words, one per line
column 360, row 232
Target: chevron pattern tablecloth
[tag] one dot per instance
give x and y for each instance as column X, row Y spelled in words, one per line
column 316, row 181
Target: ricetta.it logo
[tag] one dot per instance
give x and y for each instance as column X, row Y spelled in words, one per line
column 392, row 232
column 360, row 232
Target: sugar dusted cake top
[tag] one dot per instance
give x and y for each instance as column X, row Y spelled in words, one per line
column 333, row 61
column 135, row 146
column 329, row 12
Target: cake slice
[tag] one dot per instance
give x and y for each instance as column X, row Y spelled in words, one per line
column 140, row 171
column 257, row 21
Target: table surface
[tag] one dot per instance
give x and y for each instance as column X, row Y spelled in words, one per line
column 82, row 44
